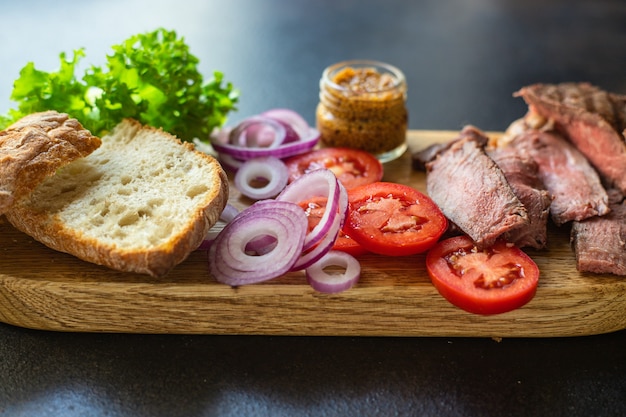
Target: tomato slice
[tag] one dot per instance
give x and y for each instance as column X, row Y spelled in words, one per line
column 489, row 281
column 345, row 243
column 353, row 167
column 393, row 219
column 314, row 209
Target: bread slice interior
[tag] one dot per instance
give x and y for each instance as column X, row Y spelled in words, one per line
column 141, row 203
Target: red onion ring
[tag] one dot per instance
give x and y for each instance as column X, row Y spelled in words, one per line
column 221, row 135
column 285, row 150
column 342, row 204
column 289, row 117
column 229, row 263
column 322, row 281
column 259, row 135
column 268, row 168
column 327, row 242
column 277, row 132
column 318, row 183
column 229, row 213
column 262, row 132
column 254, row 218
column 261, row 245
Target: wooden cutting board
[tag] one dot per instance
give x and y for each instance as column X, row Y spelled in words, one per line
column 44, row 289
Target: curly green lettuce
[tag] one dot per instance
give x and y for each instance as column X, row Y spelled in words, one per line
column 150, row 77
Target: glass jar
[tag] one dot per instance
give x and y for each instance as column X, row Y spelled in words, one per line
column 363, row 106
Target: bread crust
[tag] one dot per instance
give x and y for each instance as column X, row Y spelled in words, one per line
column 34, row 147
column 45, row 225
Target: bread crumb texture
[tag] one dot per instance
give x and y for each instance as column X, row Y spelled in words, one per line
column 141, row 202
column 137, row 199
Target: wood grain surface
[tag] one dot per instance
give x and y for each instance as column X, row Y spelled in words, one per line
column 44, row 289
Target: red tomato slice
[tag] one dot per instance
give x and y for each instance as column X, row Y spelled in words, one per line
column 491, row 281
column 314, row 209
column 352, row 167
column 346, row 244
column 393, row 219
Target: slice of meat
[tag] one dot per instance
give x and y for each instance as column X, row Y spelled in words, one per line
column 593, row 119
column 576, row 190
column 424, row 156
column 599, row 243
column 522, row 174
column 472, row 191
column 34, row 147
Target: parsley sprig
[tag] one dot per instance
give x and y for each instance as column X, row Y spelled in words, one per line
column 151, row 77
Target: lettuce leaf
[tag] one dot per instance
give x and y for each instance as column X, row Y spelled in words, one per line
column 151, row 77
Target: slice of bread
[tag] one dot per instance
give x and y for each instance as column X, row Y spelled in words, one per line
column 140, row 203
column 34, row 147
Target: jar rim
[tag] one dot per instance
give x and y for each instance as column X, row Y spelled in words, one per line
column 398, row 76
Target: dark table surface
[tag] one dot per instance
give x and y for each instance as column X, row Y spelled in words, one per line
column 463, row 60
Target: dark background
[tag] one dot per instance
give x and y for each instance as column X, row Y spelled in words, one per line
column 463, row 61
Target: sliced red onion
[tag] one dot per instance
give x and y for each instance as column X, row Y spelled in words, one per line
column 229, row 262
column 221, row 135
column 277, row 132
column 323, row 281
column 261, row 245
column 261, row 136
column 262, row 132
column 327, row 242
column 289, row 117
column 342, row 204
column 318, row 183
column 229, row 213
column 285, row 150
column 255, row 219
column 269, row 169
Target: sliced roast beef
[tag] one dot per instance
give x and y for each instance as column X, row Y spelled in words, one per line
column 599, row 243
column 576, row 190
column 593, row 119
column 424, row 156
column 522, row 174
column 472, row 191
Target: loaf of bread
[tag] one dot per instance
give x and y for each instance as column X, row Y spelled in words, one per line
column 140, row 203
column 36, row 146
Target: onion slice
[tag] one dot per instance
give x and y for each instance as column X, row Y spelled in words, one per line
column 323, row 281
column 229, row 213
column 289, row 117
column 314, row 254
column 318, row 183
column 269, row 169
column 262, row 132
column 229, row 261
column 277, row 132
column 285, row 150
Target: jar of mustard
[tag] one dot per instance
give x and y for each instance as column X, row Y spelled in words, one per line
column 363, row 106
